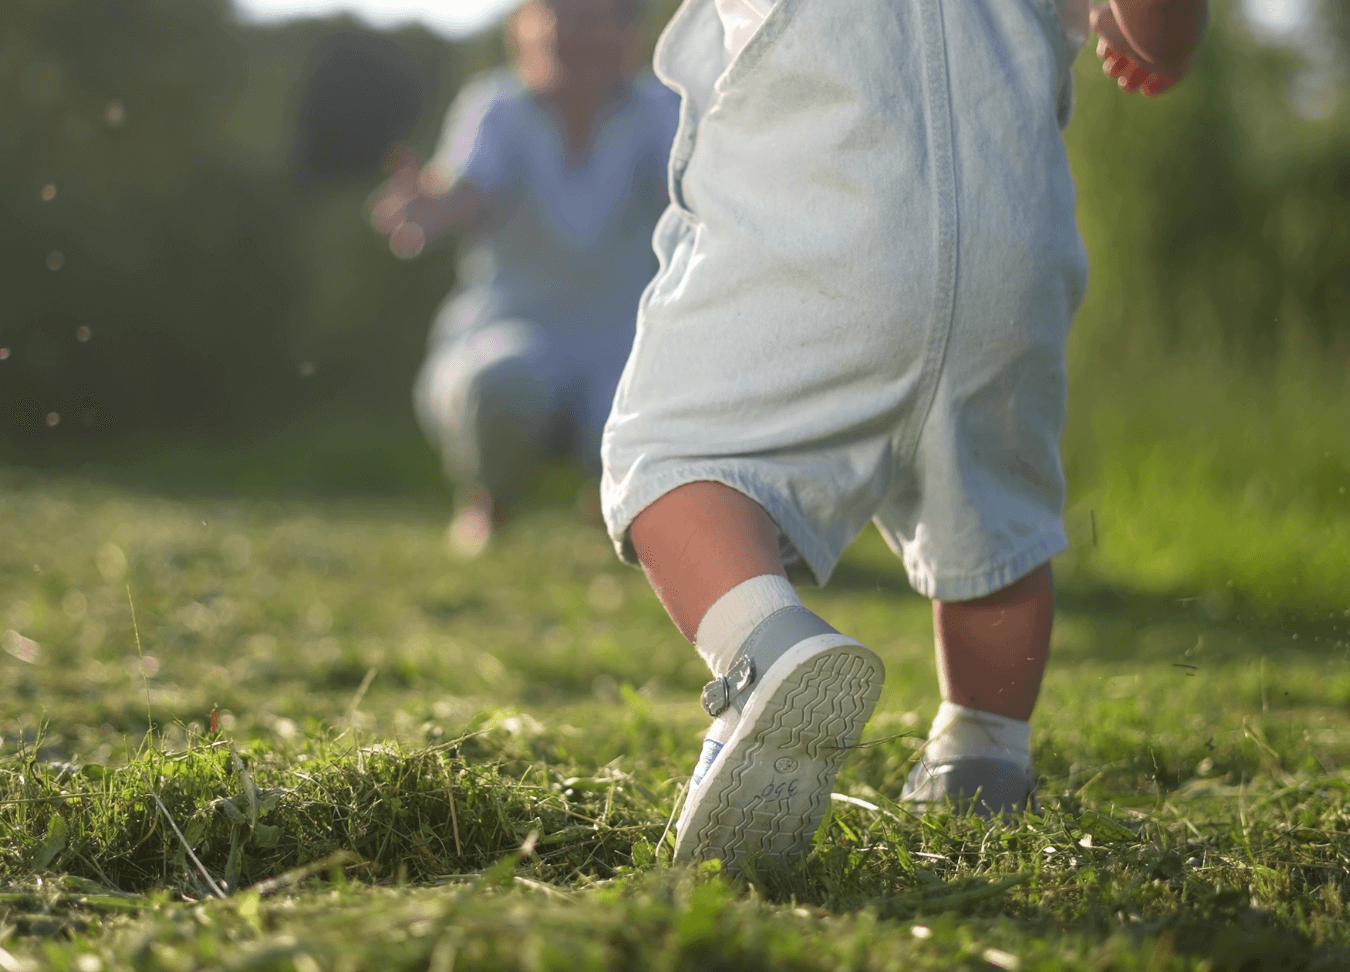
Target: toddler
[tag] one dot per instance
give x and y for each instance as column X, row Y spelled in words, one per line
column 867, row 273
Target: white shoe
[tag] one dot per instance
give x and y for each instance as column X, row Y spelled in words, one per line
column 971, row 784
column 762, row 793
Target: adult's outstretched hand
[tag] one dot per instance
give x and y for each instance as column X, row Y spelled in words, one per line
column 412, row 208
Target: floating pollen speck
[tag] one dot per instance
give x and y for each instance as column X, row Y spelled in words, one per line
column 24, row 649
column 48, row 192
column 53, row 418
column 83, row 334
column 1002, row 960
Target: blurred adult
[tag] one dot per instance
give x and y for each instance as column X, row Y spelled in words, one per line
column 556, row 168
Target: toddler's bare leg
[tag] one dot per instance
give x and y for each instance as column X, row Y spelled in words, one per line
column 992, row 651
column 699, row 541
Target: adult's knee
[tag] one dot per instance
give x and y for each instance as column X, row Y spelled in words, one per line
column 456, row 392
column 493, row 426
column 507, row 397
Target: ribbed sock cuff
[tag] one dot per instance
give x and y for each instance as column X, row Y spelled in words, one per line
column 736, row 613
column 729, row 622
column 959, row 731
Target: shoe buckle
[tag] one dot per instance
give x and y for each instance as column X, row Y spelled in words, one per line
column 718, row 693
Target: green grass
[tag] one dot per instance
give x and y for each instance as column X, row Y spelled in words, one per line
column 423, row 764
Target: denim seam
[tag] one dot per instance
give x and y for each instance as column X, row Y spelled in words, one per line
column 946, row 218
column 686, row 132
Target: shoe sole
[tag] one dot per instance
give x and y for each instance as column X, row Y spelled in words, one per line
column 767, row 791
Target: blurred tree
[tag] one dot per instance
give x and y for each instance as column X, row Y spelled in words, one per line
column 1335, row 14
column 141, row 286
column 164, row 269
column 361, row 98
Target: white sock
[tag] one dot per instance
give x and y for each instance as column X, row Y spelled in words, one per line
column 959, row 731
column 736, row 613
column 729, row 622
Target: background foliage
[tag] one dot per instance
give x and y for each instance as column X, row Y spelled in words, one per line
column 206, row 225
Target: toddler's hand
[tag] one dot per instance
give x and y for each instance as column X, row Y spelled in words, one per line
column 1121, row 61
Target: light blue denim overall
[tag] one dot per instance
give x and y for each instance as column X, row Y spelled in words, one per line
column 868, row 271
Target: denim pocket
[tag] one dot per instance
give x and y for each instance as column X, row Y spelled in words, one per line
column 1066, row 47
column 780, row 16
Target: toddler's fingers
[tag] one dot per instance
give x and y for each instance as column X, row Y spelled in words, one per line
column 1133, row 78
column 400, row 159
column 403, row 182
column 1115, row 64
column 1157, row 84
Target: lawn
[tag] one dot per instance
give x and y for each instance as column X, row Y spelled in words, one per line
column 383, row 758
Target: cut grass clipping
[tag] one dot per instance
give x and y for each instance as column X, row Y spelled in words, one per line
column 419, row 816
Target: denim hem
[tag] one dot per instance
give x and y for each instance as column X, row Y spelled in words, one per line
column 790, row 522
column 933, row 582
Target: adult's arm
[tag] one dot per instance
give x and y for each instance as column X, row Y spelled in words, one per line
column 475, row 163
column 412, row 214
column 429, row 217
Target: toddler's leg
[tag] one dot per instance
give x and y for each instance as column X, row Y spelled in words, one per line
column 991, row 655
column 992, row 651
column 790, row 694
column 699, row 541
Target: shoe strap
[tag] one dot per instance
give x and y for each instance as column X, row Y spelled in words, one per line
column 765, row 645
